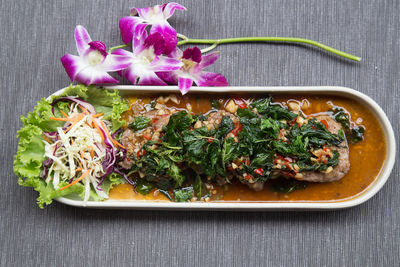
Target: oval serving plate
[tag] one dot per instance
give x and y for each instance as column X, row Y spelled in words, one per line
column 369, row 192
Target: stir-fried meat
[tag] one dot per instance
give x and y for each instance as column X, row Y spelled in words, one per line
column 332, row 173
column 160, row 116
column 214, row 119
column 134, row 141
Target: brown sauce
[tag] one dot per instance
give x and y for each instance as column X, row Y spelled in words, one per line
column 366, row 157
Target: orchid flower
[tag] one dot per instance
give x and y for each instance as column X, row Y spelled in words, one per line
column 192, row 70
column 146, row 59
column 156, row 16
column 93, row 62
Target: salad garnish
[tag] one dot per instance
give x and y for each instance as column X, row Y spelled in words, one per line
column 68, row 145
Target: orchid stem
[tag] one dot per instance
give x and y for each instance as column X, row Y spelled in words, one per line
column 211, row 47
column 116, row 47
column 215, row 42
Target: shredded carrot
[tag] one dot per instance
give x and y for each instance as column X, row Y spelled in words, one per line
column 61, row 119
column 84, row 110
column 98, row 129
column 91, row 149
column 77, row 180
column 77, row 119
column 47, row 139
column 97, row 115
column 65, row 115
column 82, row 156
column 78, row 170
column 109, row 136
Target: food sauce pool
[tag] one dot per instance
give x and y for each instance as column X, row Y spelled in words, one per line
column 366, row 157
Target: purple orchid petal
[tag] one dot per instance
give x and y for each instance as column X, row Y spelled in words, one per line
column 129, row 27
column 138, row 42
column 176, row 53
column 115, row 63
column 92, row 75
column 161, row 64
column 151, row 79
column 193, row 54
column 184, row 84
column 142, row 75
column 82, row 39
column 99, row 46
column 168, row 77
column 127, row 57
column 169, row 9
column 169, row 35
column 130, row 75
column 150, row 13
column 211, row 79
column 72, row 65
column 157, row 17
column 93, row 62
column 209, row 59
column 156, row 40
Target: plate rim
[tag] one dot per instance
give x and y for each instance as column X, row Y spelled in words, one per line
column 353, row 201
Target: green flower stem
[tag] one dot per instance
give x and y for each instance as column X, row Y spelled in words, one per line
column 116, row 47
column 215, row 42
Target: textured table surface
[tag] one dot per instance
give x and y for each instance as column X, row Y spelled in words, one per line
column 33, row 37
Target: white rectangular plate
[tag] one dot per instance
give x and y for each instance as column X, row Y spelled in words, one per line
column 372, row 189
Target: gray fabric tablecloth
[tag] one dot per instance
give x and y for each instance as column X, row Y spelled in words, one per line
column 35, row 34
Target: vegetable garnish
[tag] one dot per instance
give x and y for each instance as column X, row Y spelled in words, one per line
column 84, row 140
column 66, row 146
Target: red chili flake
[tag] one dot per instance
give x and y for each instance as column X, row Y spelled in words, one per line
column 287, row 165
column 247, row 162
column 289, row 159
column 240, row 102
column 259, row 171
column 247, row 177
column 210, row 140
column 325, row 123
column 155, row 119
column 230, row 168
column 140, row 153
column 192, row 113
column 238, row 129
column 292, row 122
column 146, row 137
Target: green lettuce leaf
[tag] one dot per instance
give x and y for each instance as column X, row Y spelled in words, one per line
column 30, row 154
column 104, row 101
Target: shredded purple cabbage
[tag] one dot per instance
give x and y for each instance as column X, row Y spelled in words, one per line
column 118, row 171
column 115, row 133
